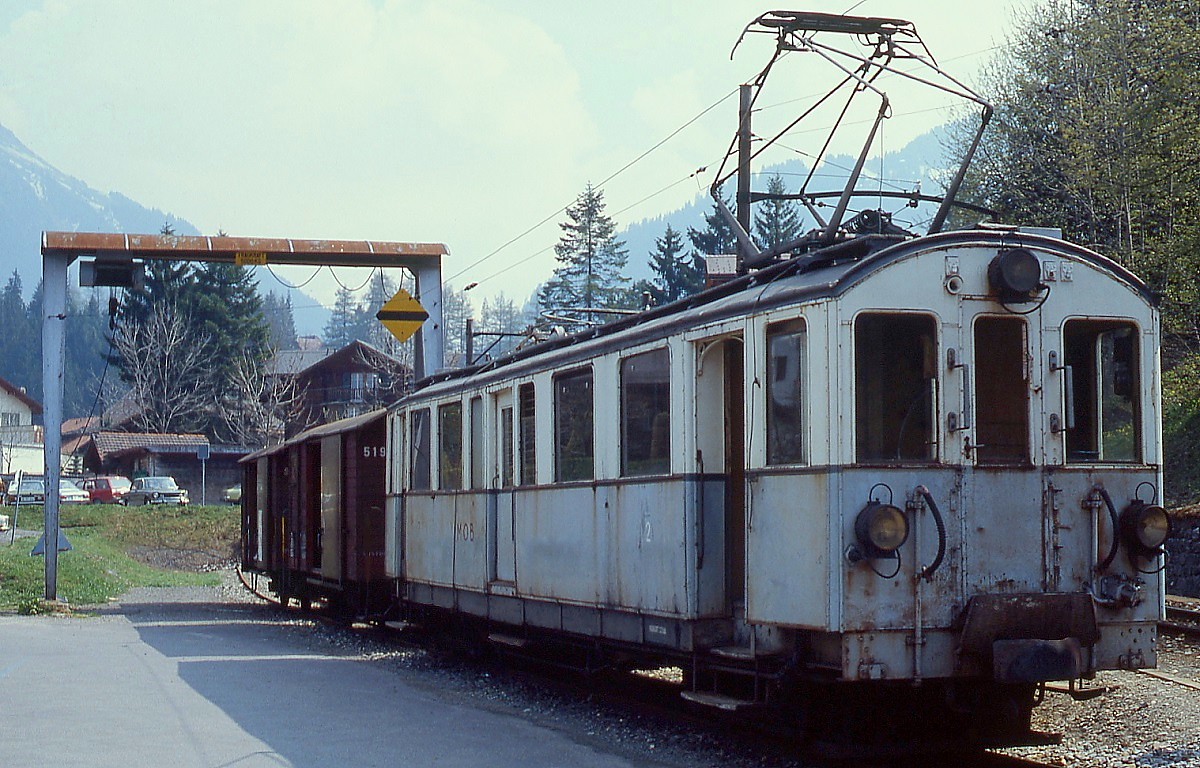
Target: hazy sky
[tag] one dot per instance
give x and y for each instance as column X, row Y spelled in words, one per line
column 458, row 121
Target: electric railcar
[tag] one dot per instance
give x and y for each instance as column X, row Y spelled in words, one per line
column 893, row 470
column 885, row 485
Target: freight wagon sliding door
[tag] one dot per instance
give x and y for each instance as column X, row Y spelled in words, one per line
column 331, row 508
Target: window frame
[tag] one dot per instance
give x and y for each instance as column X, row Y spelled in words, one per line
column 655, row 465
column 782, row 328
column 930, row 376
column 450, row 446
column 588, row 459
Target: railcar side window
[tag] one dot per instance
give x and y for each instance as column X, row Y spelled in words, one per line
column 646, row 413
column 1103, row 418
column 1001, row 391
column 573, row 426
column 895, row 378
column 450, row 445
column 785, row 386
column 419, row 445
column 477, row 442
column 528, row 435
column 506, row 447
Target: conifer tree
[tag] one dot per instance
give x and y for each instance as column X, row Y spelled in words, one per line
column 777, row 221
column 592, row 259
column 678, row 274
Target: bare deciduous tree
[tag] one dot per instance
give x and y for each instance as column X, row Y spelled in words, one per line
column 165, row 366
column 262, row 406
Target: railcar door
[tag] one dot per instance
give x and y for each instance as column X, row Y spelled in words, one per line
column 720, row 449
column 1004, row 523
column 501, row 508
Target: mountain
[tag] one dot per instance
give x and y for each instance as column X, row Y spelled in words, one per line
column 35, row 197
column 919, row 165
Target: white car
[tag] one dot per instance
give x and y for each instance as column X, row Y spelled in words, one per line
column 69, row 493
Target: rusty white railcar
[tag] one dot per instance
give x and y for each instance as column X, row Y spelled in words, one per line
column 889, row 484
column 896, row 467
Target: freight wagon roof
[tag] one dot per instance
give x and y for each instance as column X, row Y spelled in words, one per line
column 824, row 273
column 338, row 427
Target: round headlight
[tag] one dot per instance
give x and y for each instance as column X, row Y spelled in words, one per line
column 1146, row 527
column 1015, row 273
column 881, row 529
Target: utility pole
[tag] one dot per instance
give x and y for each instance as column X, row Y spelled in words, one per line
column 745, row 99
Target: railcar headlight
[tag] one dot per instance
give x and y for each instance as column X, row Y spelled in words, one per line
column 1145, row 527
column 881, row 529
column 1015, row 274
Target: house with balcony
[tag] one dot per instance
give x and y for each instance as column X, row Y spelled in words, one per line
column 20, row 439
column 339, row 383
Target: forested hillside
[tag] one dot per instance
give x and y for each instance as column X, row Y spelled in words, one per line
column 1096, row 131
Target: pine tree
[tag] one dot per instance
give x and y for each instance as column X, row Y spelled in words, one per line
column 717, row 237
column 777, row 221
column 678, row 274
column 591, row 258
column 344, row 321
column 281, row 320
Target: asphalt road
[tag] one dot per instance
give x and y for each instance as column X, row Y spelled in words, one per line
column 177, row 678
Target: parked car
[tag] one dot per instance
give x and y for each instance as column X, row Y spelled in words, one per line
column 31, row 491
column 107, row 489
column 232, row 494
column 69, row 493
column 154, row 490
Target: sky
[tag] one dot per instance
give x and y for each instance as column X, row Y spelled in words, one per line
column 472, row 123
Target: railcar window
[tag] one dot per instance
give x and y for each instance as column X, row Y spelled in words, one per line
column 419, row 445
column 573, row 426
column 476, row 446
column 528, row 436
column 506, row 447
column 450, row 445
column 1001, row 391
column 895, row 387
column 785, row 386
column 1104, row 422
column 646, row 413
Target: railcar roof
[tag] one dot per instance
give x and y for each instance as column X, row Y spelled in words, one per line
column 825, row 272
column 338, row 427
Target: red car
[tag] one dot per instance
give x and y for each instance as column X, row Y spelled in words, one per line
column 106, row 490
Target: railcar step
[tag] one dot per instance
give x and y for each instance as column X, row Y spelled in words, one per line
column 742, row 653
column 509, row 640
column 716, row 701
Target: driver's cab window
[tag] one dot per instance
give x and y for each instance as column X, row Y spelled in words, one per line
column 895, row 378
column 1101, row 386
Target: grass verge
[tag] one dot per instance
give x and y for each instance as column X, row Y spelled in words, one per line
column 115, row 549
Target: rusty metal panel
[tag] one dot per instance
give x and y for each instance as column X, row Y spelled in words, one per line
column 1003, row 516
column 787, row 550
column 562, row 542
column 428, row 539
column 470, row 539
column 649, row 562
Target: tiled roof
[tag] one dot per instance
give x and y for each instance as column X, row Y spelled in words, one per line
column 80, row 426
column 109, row 444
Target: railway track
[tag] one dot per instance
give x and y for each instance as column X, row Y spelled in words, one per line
column 1183, row 615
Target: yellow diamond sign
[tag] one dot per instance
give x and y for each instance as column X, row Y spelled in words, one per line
column 402, row 315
